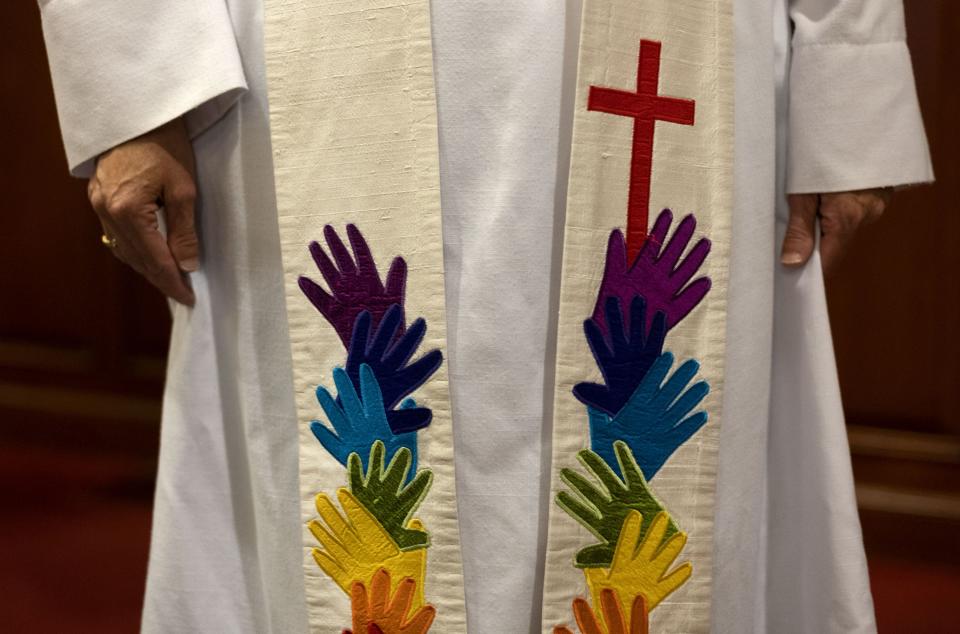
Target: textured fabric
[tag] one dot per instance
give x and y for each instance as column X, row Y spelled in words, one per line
column 116, row 84
column 679, row 56
column 227, row 503
column 354, row 133
column 854, row 118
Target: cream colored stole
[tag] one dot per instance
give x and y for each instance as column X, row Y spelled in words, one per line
column 638, row 389
column 630, row 534
column 354, row 130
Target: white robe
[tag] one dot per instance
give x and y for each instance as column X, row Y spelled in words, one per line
column 226, row 544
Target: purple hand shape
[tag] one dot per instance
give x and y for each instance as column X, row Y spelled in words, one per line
column 388, row 355
column 353, row 281
column 624, row 359
column 658, row 274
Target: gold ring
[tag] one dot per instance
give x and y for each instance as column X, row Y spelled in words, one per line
column 107, row 241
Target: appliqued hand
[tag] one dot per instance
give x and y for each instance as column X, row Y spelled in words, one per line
column 358, row 421
column 354, row 282
column 658, row 274
column 355, row 547
column 387, row 352
column 382, row 614
column 603, row 509
column 641, row 565
column 383, row 493
column 626, row 359
column 652, row 422
column 591, row 623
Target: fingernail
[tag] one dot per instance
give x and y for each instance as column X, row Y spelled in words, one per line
column 189, row 265
column 791, row 258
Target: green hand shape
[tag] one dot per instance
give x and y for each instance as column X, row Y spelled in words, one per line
column 382, row 492
column 604, row 509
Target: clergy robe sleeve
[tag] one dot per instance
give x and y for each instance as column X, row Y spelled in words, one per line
column 121, row 69
column 854, row 116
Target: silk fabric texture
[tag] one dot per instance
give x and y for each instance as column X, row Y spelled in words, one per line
column 787, row 550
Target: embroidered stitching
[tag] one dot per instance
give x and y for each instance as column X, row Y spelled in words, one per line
column 602, row 509
column 384, row 494
column 646, row 107
column 387, row 352
column 353, row 282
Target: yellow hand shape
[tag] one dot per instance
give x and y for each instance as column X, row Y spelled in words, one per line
column 640, row 566
column 390, row 617
column 356, row 547
column 612, row 612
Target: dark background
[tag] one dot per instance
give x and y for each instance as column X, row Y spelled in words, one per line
column 83, row 340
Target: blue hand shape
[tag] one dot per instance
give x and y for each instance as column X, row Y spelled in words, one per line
column 387, row 352
column 652, row 422
column 359, row 421
column 626, row 360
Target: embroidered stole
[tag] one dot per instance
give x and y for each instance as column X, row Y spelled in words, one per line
column 639, row 383
column 354, row 131
column 641, row 330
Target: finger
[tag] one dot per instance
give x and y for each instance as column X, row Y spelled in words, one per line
column 421, row 621
column 397, row 278
column 612, row 611
column 321, row 299
column 654, row 537
column 137, row 223
column 799, row 241
column 402, row 598
column 179, row 200
column 379, row 593
column 340, row 253
column 585, row 617
column 329, row 272
column 99, row 203
column 840, row 217
column 627, row 542
column 407, row 344
column 359, row 606
column 691, row 264
column 678, row 242
column 639, row 621
column 658, row 236
column 365, row 262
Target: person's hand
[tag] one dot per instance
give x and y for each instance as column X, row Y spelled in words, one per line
column 131, row 183
column 841, row 214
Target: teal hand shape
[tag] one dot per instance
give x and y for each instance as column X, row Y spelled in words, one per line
column 358, row 420
column 603, row 509
column 384, row 494
column 655, row 421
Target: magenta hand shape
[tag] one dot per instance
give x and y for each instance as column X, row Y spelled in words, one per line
column 658, row 274
column 353, row 282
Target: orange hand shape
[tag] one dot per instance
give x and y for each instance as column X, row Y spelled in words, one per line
column 381, row 614
column 612, row 614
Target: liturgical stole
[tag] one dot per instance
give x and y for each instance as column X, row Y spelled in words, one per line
column 641, row 334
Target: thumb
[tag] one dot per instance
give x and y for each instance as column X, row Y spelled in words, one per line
column 179, row 201
column 800, row 239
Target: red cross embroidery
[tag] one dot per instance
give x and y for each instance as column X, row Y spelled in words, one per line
column 646, row 107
